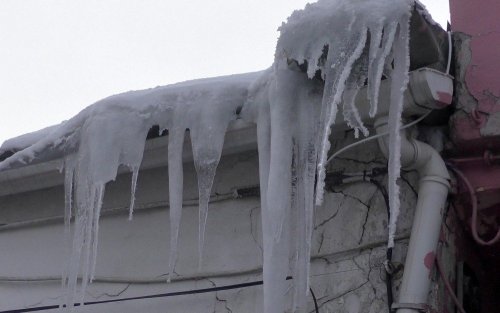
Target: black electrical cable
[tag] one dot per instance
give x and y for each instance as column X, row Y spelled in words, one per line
column 316, row 308
column 385, row 195
column 388, row 262
column 388, row 279
column 161, row 295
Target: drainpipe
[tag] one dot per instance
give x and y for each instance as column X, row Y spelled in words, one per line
column 432, row 194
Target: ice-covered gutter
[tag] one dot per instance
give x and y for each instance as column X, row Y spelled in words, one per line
column 425, row 86
column 24, row 141
column 240, row 137
column 344, row 44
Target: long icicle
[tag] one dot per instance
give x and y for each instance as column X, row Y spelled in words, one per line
column 175, row 186
column 69, row 173
column 330, row 118
column 133, row 187
column 87, row 242
column 398, row 86
column 376, row 66
column 95, row 229
column 82, row 196
column 207, row 149
column 355, row 81
column 276, row 253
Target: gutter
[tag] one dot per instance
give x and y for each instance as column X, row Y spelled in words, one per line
column 240, row 137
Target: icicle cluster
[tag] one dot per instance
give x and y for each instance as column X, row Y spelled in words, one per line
column 285, row 105
column 112, row 133
column 344, row 43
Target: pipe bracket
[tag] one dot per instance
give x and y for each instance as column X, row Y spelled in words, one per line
column 413, row 306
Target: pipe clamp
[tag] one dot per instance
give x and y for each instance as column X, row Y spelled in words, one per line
column 414, row 306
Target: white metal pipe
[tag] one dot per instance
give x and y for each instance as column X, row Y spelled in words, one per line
column 432, row 194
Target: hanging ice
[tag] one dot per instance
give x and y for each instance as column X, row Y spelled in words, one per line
column 344, row 44
column 175, row 184
column 399, row 83
column 97, row 143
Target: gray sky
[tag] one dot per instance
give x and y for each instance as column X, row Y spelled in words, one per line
column 59, row 56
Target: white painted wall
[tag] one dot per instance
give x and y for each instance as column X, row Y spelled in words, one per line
column 348, row 244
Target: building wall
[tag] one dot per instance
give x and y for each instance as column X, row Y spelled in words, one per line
column 348, row 244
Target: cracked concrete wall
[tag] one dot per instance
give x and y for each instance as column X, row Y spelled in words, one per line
column 350, row 233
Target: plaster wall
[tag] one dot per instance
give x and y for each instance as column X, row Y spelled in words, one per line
column 348, row 243
column 476, row 33
column 479, row 20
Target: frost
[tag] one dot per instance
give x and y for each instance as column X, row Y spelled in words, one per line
column 399, row 83
column 319, row 37
column 347, row 43
column 344, row 44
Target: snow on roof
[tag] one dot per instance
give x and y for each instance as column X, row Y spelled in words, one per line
column 24, row 141
column 307, row 32
column 150, row 105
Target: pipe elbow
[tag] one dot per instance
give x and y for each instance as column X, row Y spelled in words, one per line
column 416, row 155
column 429, row 163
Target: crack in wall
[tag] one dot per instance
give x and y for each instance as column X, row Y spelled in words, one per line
column 252, row 229
column 371, row 298
column 219, row 299
column 375, row 161
column 407, row 182
column 225, row 301
column 328, row 219
column 321, row 240
column 321, row 305
column 363, row 227
column 109, row 295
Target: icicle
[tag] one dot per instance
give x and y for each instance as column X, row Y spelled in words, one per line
column 376, row 33
column 287, row 129
column 69, row 165
column 309, row 170
column 399, row 84
column 207, row 149
column 101, row 143
column 95, row 230
column 133, row 187
column 305, row 167
column 97, row 162
column 278, row 194
column 88, row 238
column 175, row 185
column 330, row 115
column 378, row 58
column 81, row 220
column 264, row 147
column 275, row 250
column 69, row 170
column 299, row 223
column 355, row 81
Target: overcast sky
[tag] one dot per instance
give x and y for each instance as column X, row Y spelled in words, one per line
column 59, row 56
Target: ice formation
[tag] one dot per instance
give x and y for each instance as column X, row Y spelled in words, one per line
column 343, row 44
column 22, row 142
